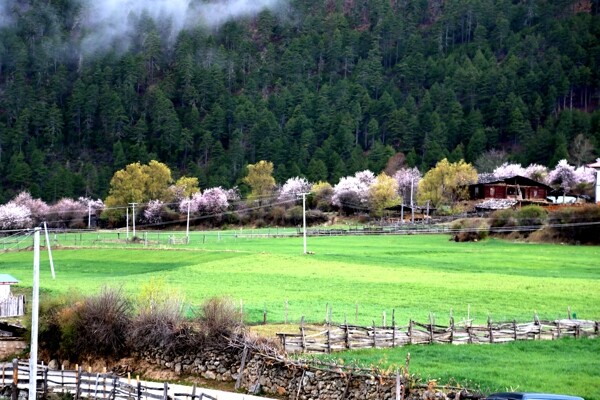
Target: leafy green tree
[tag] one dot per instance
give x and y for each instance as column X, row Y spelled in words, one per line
column 261, row 181
column 446, row 183
column 383, row 193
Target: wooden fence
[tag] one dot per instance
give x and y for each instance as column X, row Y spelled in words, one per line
column 344, row 337
column 13, row 306
column 88, row 385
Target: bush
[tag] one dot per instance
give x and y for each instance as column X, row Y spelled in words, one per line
column 219, row 318
column 578, row 224
column 470, row 229
column 154, row 328
column 531, row 216
column 503, row 218
column 101, row 324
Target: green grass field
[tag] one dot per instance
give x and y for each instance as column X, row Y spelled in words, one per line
column 565, row 366
column 412, row 274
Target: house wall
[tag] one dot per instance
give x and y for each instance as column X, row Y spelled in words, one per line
column 4, row 291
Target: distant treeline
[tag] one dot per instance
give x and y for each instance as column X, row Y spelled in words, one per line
column 323, row 89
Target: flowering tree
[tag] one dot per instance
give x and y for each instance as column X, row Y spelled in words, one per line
column 213, row 201
column 322, row 193
column 67, row 212
column 507, row 170
column 153, row 212
column 353, row 191
column 14, row 216
column 562, row 176
column 38, row 209
column 293, row 188
column 447, row 182
column 536, row 172
column 408, row 179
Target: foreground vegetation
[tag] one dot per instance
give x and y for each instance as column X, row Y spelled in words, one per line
column 414, row 275
column 563, row 366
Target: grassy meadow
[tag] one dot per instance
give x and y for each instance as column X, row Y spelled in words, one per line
column 411, row 274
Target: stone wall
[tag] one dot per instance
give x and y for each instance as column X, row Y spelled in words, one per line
column 10, row 347
column 274, row 374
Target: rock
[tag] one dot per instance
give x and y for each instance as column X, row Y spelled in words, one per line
column 53, row 365
column 209, row 375
column 178, row 368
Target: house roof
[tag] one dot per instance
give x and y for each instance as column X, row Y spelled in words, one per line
column 595, row 165
column 6, row 279
column 514, row 180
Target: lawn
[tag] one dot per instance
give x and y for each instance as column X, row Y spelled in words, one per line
column 565, row 366
column 411, row 274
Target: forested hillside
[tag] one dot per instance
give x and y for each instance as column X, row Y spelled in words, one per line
column 320, row 88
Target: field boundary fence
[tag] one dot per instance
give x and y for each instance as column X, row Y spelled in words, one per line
column 87, row 384
column 345, row 337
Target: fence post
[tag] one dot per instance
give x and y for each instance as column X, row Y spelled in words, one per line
column 558, row 328
column 265, row 315
column 515, row 329
column 139, row 388
column 78, row 371
column 374, row 335
column 45, row 382
column 328, row 342
column 166, row 391
column 15, row 388
column 451, row 328
column 394, row 327
column 490, row 329
column 410, row 331
column 303, row 335
column 238, row 381
column 431, row 328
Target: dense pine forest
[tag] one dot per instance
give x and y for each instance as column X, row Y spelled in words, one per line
column 322, row 88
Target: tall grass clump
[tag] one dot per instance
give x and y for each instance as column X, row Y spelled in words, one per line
column 503, row 219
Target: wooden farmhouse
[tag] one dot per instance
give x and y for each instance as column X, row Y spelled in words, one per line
column 514, row 188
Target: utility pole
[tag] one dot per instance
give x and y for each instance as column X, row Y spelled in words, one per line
column 187, row 226
column 304, row 219
column 133, row 217
column 89, row 215
column 412, row 207
column 127, row 221
column 35, row 310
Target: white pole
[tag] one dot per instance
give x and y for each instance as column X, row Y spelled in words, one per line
column 187, row 227
column 35, row 306
column 412, row 207
column 304, row 219
column 127, row 221
column 49, row 251
column 89, row 215
column 133, row 217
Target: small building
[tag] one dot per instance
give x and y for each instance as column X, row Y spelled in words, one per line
column 515, row 188
column 10, row 306
column 5, row 282
column 596, row 166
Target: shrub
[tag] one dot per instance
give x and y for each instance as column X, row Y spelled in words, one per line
column 502, row 218
column 531, row 216
column 101, row 324
column 578, row 224
column 156, row 327
column 219, row 318
column 470, row 229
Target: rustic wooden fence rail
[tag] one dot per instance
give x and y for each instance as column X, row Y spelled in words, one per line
column 87, row 384
column 13, row 306
column 344, row 337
